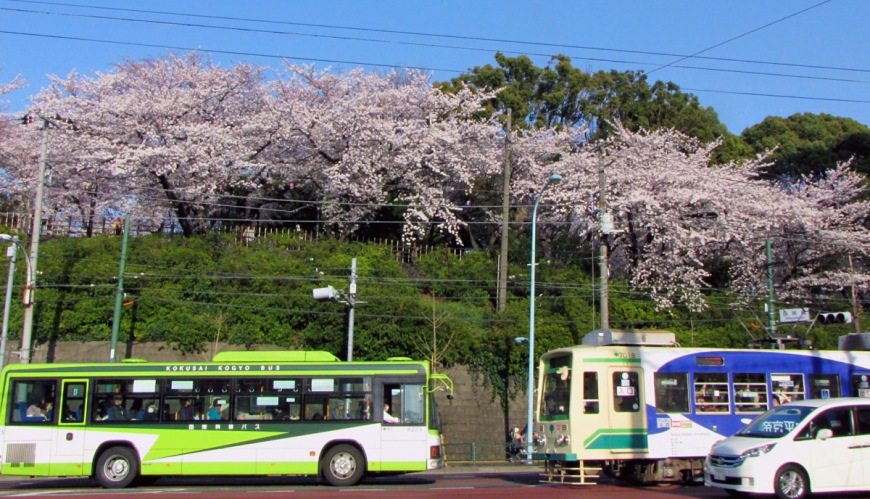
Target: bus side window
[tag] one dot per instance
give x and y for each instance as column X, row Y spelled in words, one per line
column 33, row 401
column 590, row 392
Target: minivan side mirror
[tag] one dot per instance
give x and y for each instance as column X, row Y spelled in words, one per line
column 824, row 434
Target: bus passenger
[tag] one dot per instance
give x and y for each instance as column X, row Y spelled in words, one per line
column 186, row 412
column 214, row 414
column 37, row 410
column 117, row 411
column 150, row 413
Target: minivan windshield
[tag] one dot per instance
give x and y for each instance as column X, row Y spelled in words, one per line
column 776, row 422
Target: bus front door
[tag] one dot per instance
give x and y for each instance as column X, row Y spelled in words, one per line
column 627, row 418
column 69, row 442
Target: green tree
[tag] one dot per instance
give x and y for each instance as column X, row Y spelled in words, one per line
column 562, row 96
column 809, row 144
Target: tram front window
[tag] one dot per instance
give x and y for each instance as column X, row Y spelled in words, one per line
column 557, row 396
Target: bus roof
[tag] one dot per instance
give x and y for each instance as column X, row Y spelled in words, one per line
column 276, row 356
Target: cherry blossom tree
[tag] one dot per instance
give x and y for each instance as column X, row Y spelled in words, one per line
column 168, row 133
column 367, row 141
column 675, row 215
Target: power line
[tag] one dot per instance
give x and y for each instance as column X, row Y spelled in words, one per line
column 747, row 33
column 429, row 45
column 446, row 35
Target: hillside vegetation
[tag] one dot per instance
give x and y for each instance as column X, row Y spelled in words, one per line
column 213, row 290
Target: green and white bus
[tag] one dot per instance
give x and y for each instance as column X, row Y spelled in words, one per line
column 244, row 413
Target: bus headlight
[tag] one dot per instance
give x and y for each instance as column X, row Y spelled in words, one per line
column 757, row 451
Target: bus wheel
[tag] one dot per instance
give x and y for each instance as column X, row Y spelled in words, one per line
column 117, row 467
column 342, row 466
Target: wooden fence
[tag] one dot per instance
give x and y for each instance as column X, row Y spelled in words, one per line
column 69, row 226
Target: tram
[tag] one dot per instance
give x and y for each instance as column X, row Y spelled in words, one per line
column 634, row 405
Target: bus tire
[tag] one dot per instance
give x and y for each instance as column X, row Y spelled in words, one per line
column 342, row 466
column 117, row 467
column 791, row 482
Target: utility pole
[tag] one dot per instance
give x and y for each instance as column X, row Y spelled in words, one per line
column 605, row 226
column 11, row 252
column 351, row 302
column 771, row 315
column 855, row 319
column 331, row 294
column 119, row 293
column 29, row 289
column 505, row 218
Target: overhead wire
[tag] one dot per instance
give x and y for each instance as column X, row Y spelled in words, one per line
column 334, row 61
column 429, row 45
column 441, row 35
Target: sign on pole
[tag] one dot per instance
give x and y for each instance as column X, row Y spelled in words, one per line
column 794, row 315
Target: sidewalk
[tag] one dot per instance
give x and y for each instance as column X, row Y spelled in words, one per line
column 488, row 467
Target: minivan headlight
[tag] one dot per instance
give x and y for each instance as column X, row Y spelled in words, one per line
column 757, row 451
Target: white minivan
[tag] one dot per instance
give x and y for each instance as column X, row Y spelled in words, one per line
column 820, row 445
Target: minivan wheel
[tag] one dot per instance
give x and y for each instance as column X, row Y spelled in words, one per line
column 791, row 482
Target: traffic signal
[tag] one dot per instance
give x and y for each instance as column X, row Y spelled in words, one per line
column 835, row 317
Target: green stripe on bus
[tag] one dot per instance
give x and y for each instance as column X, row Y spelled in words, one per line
column 399, row 466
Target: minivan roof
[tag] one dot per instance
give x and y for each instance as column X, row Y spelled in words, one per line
column 831, row 402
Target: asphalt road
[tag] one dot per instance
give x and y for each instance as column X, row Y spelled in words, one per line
column 466, row 482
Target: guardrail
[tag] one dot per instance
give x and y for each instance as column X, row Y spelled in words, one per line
column 484, row 453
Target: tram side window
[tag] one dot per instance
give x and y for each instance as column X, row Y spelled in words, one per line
column 33, row 401
column 711, row 393
column 824, row 386
column 787, row 388
column 124, row 399
column 672, row 392
column 861, row 385
column 626, row 391
column 590, row 392
column 750, row 392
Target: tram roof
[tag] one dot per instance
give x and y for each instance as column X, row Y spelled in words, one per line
column 639, row 337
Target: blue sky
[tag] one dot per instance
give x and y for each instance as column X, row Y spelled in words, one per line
column 765, row 57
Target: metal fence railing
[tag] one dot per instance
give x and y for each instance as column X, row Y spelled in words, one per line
column 483, row 453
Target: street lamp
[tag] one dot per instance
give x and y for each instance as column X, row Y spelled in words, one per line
column 554, row 179
column 11, row 252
